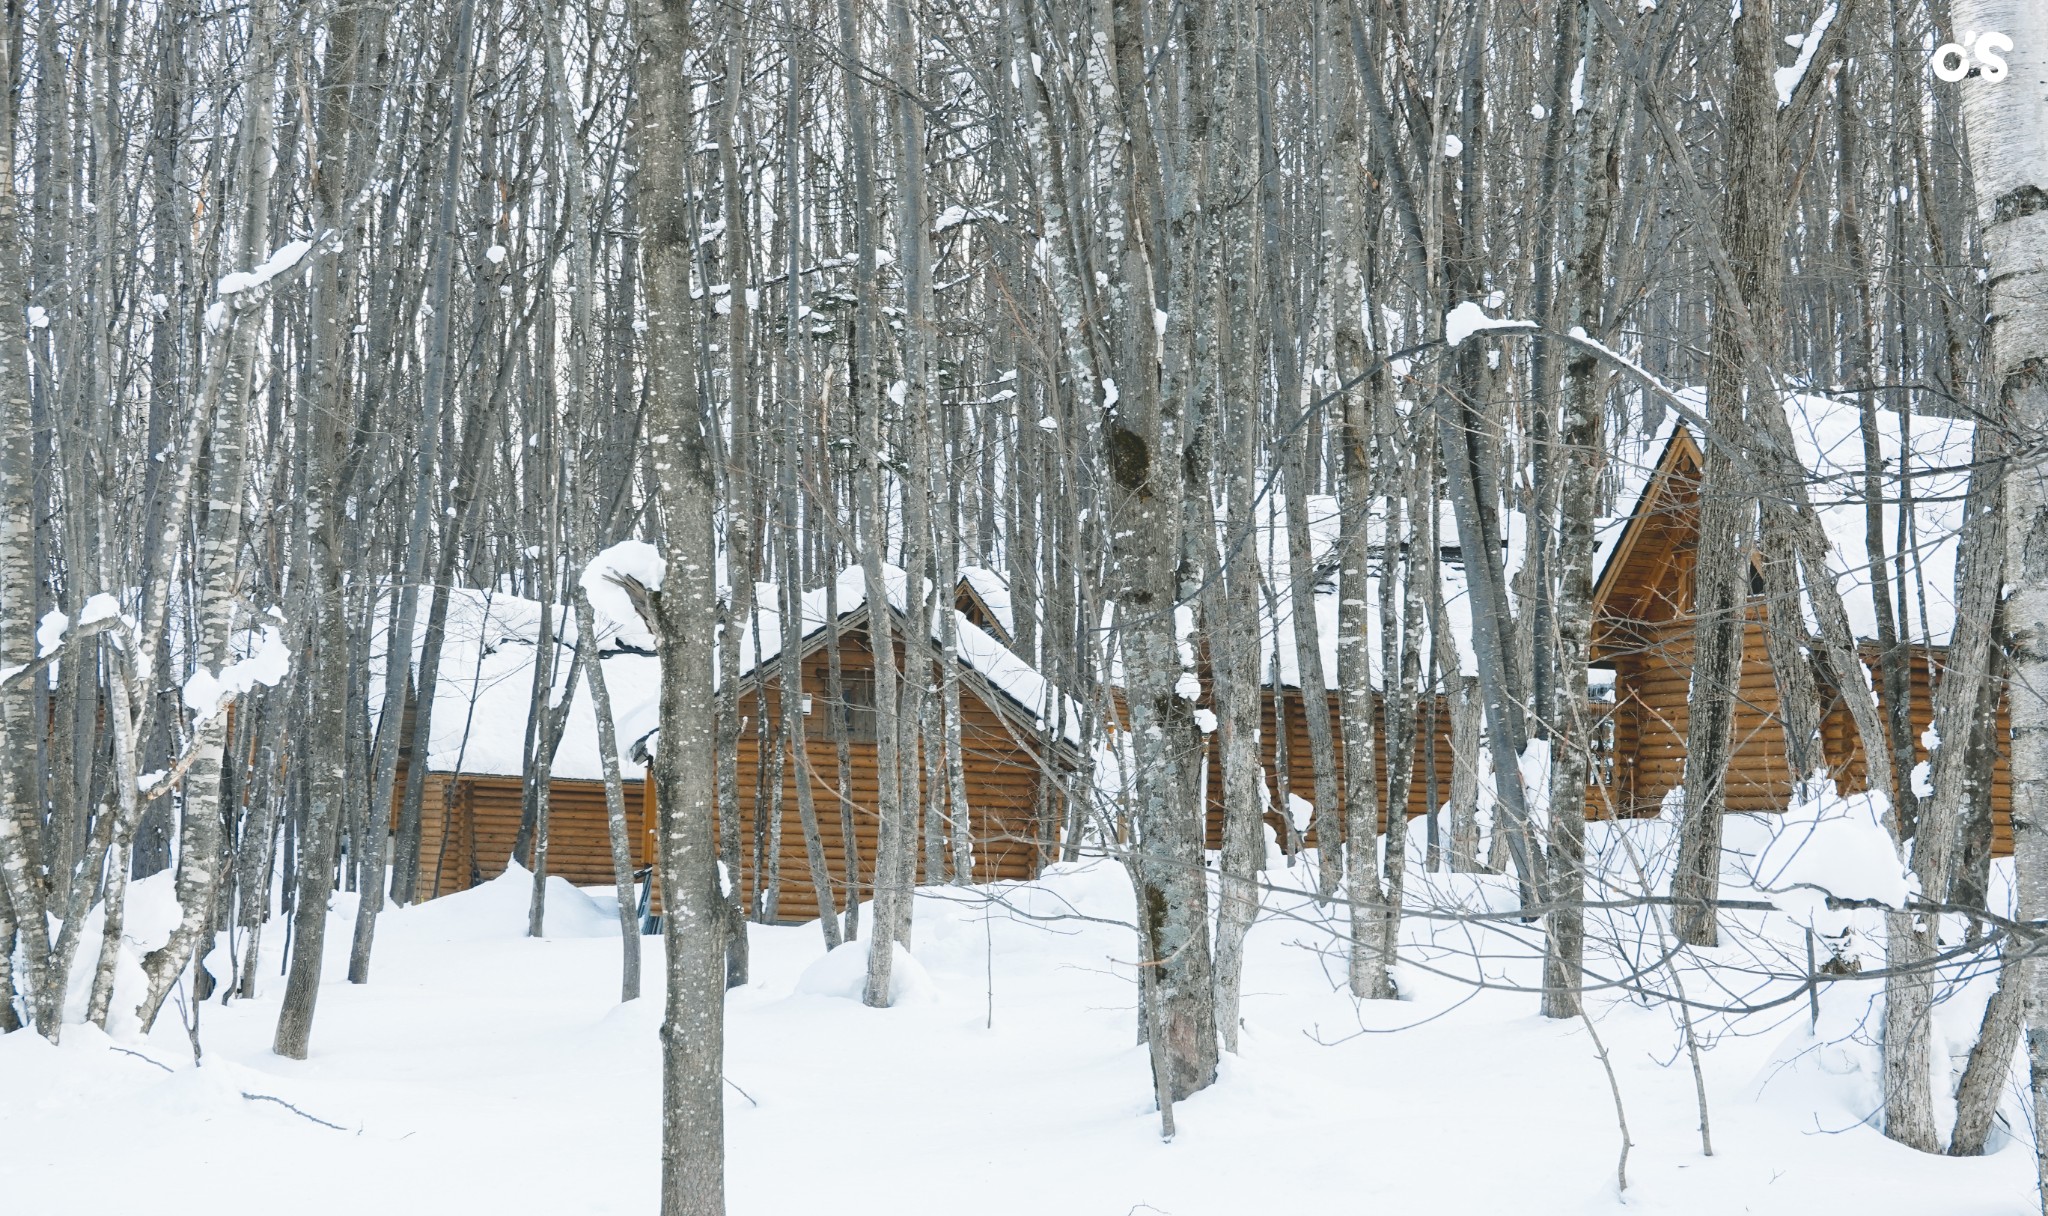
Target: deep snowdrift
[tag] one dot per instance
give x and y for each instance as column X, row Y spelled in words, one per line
column 482, row 1071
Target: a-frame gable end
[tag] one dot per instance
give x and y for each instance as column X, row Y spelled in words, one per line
column 1663, row 521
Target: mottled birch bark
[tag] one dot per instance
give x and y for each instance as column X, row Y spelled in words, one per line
column 2007, row 123
column 22, row 918
column 614, row 803
column 1141, row 448
column 329, row 655
column 1232, row 620
column 795, row 729
column 1581, row 459
column 1231, row 607
column 695, row 920
column 842, row 755
column 1370, row 971
column 892, row 802
column 913, row 397
column 1284, row 340
column 436, row 392
column 1751, row 219
column 200, row 862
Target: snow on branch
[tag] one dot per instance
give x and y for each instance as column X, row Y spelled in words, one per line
column 1469, row 318
column 619, row 580
column 1788, row 79
column 1828, row 845
column 267, row 660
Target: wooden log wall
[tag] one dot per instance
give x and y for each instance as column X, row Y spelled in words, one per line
column 1013, row 826
column 468, row 823
column 1653, row 687
column 1301, row 772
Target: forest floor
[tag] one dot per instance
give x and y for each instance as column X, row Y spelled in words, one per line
column 483, row 1071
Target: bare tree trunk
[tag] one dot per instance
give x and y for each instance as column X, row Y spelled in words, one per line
column 2009, row 164
column 1726, row 508
column 1142, row 449
column 1581, row 456
column 614, row 802
column 695, row 921
column 21, row 911
column 1233, row 630
column 892, row 894
column 200, row 861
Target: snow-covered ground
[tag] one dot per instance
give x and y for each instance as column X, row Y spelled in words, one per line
column 482, row 1071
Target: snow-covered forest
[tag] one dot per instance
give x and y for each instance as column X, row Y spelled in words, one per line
column 1396, row 605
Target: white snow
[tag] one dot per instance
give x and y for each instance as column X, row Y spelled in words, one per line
column 842, row 974
column 485, row 687
column 495, row 255
column 484, row 1071
column 1787, row 79
column 263, row 658
column 956, row 215
column 1453, row 147
column 1469, row 318
column 1005, row 674
column 1276, row 620
column 994, row 591
column 1925, row 456
column 1300, row 812
column 50, row 633
column 99, row 608
column 286, row 257
column 629, row 559
column 1827, row 844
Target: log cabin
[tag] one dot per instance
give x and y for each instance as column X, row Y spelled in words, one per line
column 1015, row 760
column 476, row 781
column 1283, row 698
column 1644, row 604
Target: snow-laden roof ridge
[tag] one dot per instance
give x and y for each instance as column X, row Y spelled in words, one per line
column 1928, row 456
column 1005, row 672
column 994, row 590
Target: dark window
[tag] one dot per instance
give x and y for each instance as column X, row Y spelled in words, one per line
column 855, row 711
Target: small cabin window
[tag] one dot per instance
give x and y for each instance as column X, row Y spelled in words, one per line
column 855, row 712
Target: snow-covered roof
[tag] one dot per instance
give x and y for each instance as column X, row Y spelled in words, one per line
column 485, row 686
column 1005, row 673
column 1276, row 618
column 1324, row 531
column 994, row 592
column 1634, row 461
column 1923, row 456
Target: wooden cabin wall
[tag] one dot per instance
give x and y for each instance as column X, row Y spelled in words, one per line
column 1845, row 749
column 472, row 816
column 1002, row 775
column 1653, row 690
column 1653, row 687
column 1301, row 771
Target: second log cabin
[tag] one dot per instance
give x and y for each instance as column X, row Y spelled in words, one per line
column 1019, row 748
column 1644, row 607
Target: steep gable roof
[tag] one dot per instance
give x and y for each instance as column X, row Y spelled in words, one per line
column 1643, row 551
column 1004, row 681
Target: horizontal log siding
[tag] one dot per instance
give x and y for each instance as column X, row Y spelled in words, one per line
column 468, row 823
column 1002, row 775
column 1301, row 769
column 1653, row 687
